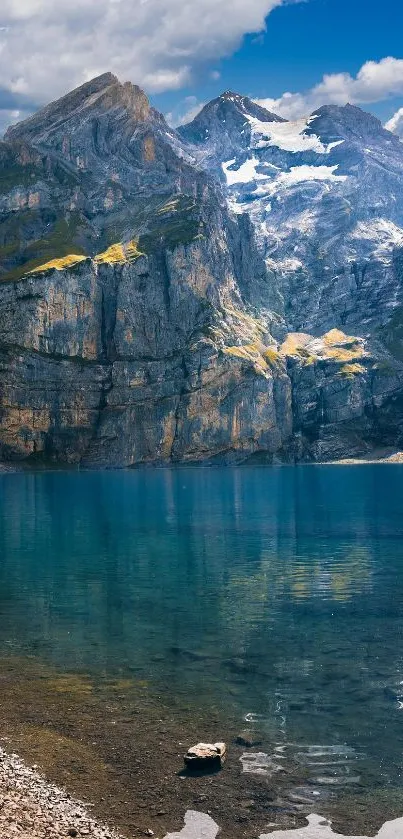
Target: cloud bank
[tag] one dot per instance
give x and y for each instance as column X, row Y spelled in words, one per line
column 374, row 82
column 47, row 48
column 395, row 124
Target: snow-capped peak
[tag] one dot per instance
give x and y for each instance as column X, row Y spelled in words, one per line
column 288, row 136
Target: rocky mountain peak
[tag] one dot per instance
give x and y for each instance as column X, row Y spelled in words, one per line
column 229, row 110
column 248, row 107
column 99, row 98
column 347, row 122
column 224, row 125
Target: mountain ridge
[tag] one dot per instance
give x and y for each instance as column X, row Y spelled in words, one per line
column 228, row 291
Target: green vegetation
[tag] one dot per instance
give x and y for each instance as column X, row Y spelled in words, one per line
column 67, row 240
column 334, row 346
column 58, row 244
column 170, row 236
column 351, row 370
column 169, row 207
column 344, row 355
column 272, row 356
column 17, row 175
column 262, row 357
column 119, row 253
column 176, row 222
column 392, row 334
column 385, row 367
column 239, row 352
column 59, row 264
column 305, row 356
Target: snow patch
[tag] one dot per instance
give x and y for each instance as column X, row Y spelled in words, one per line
column 380, row 236
column 298, row 175
column 380, row 229
column 289, row 136
column 285, row 265
column 245, row 174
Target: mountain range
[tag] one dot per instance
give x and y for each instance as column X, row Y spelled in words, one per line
column 228, row 291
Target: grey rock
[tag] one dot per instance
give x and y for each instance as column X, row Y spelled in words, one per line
column 319, row 828
column 248, row 739
column 197, row 826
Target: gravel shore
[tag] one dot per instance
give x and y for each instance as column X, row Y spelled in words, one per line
column 32, row 808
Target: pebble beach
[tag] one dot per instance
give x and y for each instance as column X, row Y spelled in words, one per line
column 32, row 808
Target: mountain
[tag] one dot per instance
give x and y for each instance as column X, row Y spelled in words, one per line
column 325, row 199
column 223, row 127
column 86, row 168
column 227, row 291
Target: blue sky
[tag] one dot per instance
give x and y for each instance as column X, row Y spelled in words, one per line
column 304, row 41
column 185, row 52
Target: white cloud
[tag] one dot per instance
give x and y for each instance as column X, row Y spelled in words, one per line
column 186, row 110
column 395, row 124
column 9, row 117
column 48, row 47
column 375, row 81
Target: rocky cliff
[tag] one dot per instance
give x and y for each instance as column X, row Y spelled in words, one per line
column 154, row 308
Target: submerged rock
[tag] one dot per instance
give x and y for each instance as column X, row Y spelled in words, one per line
column 206, row 755
column 320, row 828
column 260, row 763
column 248, row 739
column 197, row 826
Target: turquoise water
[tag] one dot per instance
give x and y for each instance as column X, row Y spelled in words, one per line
column 274, row 594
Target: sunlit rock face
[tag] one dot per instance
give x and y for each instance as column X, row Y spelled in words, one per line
column 227, row 292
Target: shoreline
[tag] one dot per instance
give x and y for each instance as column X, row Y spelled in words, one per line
column 120, row 746
column 377, row 456
column 33, row 808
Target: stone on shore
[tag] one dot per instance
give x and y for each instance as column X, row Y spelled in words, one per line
column 206, row 755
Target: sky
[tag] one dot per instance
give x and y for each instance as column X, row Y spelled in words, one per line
column 292, row 56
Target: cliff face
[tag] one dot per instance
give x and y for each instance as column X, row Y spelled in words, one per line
column 157, row 360
column 142, row 321
column 130, row 362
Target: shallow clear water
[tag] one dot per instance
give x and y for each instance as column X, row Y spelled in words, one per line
column 273, row 594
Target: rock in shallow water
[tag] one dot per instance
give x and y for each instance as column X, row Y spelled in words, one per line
column 197, row 826
column 202, row 826
column 206, row 755
column 248, row 739
column 260, row 763
column 320, row 828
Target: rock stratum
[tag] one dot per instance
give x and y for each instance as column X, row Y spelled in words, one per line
column 229, row 291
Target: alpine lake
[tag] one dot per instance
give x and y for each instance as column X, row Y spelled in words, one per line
column 144, row 611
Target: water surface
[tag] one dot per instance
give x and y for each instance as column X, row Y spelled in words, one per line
column 272, row 595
